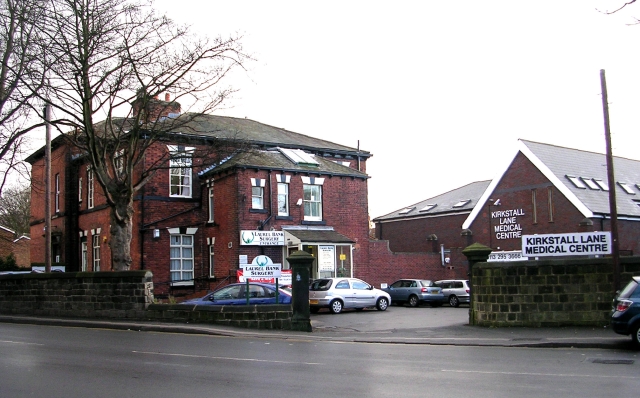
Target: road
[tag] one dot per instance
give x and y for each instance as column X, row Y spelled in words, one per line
column 39, row 361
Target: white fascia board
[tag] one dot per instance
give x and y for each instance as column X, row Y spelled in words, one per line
column 522, row 147
column 561, row 186
column 485, row 196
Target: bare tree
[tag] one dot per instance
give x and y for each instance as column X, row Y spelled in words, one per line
column 15, row 209
column 107, row 63
column 20, row 78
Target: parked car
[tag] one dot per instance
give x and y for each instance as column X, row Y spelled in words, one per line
column 415, row 292
column 339, row 293
column 456, row 291
column 625, row 314
column 235, row 294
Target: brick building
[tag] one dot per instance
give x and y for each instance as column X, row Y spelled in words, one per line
column 544, row 189
column 195, row 225
column 16, row 246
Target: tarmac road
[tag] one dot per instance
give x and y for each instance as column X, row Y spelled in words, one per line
column 397, row 325
column 394, row 318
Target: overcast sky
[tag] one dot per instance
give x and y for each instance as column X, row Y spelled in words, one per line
column 438, row 91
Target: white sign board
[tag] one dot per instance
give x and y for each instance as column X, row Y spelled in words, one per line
column 262, row 238
column 573, row 244
column 326, row 258
column 503, row 256
column 262, row 267
column 285, row 278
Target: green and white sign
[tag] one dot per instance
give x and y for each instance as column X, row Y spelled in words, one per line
column 262, row 238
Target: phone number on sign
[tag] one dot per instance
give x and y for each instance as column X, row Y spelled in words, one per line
column 507, row 256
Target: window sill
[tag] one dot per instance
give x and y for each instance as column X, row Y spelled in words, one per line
column 257, row 211
column 184, row 283
column 284, row 218
column 307, row 222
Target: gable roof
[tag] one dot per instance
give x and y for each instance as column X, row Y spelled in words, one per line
column 256, row 133
column 559, row 163
column 261, row 134
column 460, row 200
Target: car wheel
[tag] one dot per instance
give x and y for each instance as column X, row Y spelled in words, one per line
column 635, row 336
column 453, row 301
column 413, row 301
column 335, row 306
column 382, row 304
column 314, row 310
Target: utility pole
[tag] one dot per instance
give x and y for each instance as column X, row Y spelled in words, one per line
column 613, row 209
column 47, row 190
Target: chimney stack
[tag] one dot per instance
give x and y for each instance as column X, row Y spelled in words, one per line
column 166, row 97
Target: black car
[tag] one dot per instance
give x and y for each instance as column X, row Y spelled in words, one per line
column 625, row 315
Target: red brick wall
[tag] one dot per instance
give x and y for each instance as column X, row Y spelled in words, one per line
column 386, row 266
column 515, row 192
column 60, row 165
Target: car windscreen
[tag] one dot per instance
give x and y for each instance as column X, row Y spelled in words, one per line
column 320, row 284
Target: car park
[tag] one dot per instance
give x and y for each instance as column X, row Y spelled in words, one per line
column 625, row 314
column 456, row 291
column 415, row 292
column 339, row 293
column 236, row 294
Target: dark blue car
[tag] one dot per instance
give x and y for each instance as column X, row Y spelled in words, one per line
column 625, row 315
column 236, row 294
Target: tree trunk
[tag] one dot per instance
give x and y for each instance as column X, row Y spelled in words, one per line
column 121, row 234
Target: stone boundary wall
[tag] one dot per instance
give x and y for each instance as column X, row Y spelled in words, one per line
column 546, row 293
column 276, row 316
column 124, row 295
column 119, row 295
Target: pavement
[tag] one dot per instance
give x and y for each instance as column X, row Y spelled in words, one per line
column 453, row 333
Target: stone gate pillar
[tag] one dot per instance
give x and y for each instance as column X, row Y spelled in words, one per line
column 301, row 262
column 476, row 253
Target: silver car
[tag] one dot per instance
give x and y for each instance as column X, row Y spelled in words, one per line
column 456, row 291
column 339, row 293
column 415, row 292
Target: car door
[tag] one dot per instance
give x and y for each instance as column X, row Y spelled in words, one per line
column 363, row 294
column 397, row 291
column 343, row 289
column 228, row 295
column 259, row 295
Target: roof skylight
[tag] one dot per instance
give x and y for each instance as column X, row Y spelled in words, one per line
column 462, row 203
column 627, row 188
column 428, row 207
column 603, row 185
column 406, row 210
column 590, row 183
column 576, row 182
column 298, row 156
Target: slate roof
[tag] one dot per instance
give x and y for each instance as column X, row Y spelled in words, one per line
column 256, row 133
column 261, row 134
column 444, row 203
column 556, row 163
column 273, row 159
